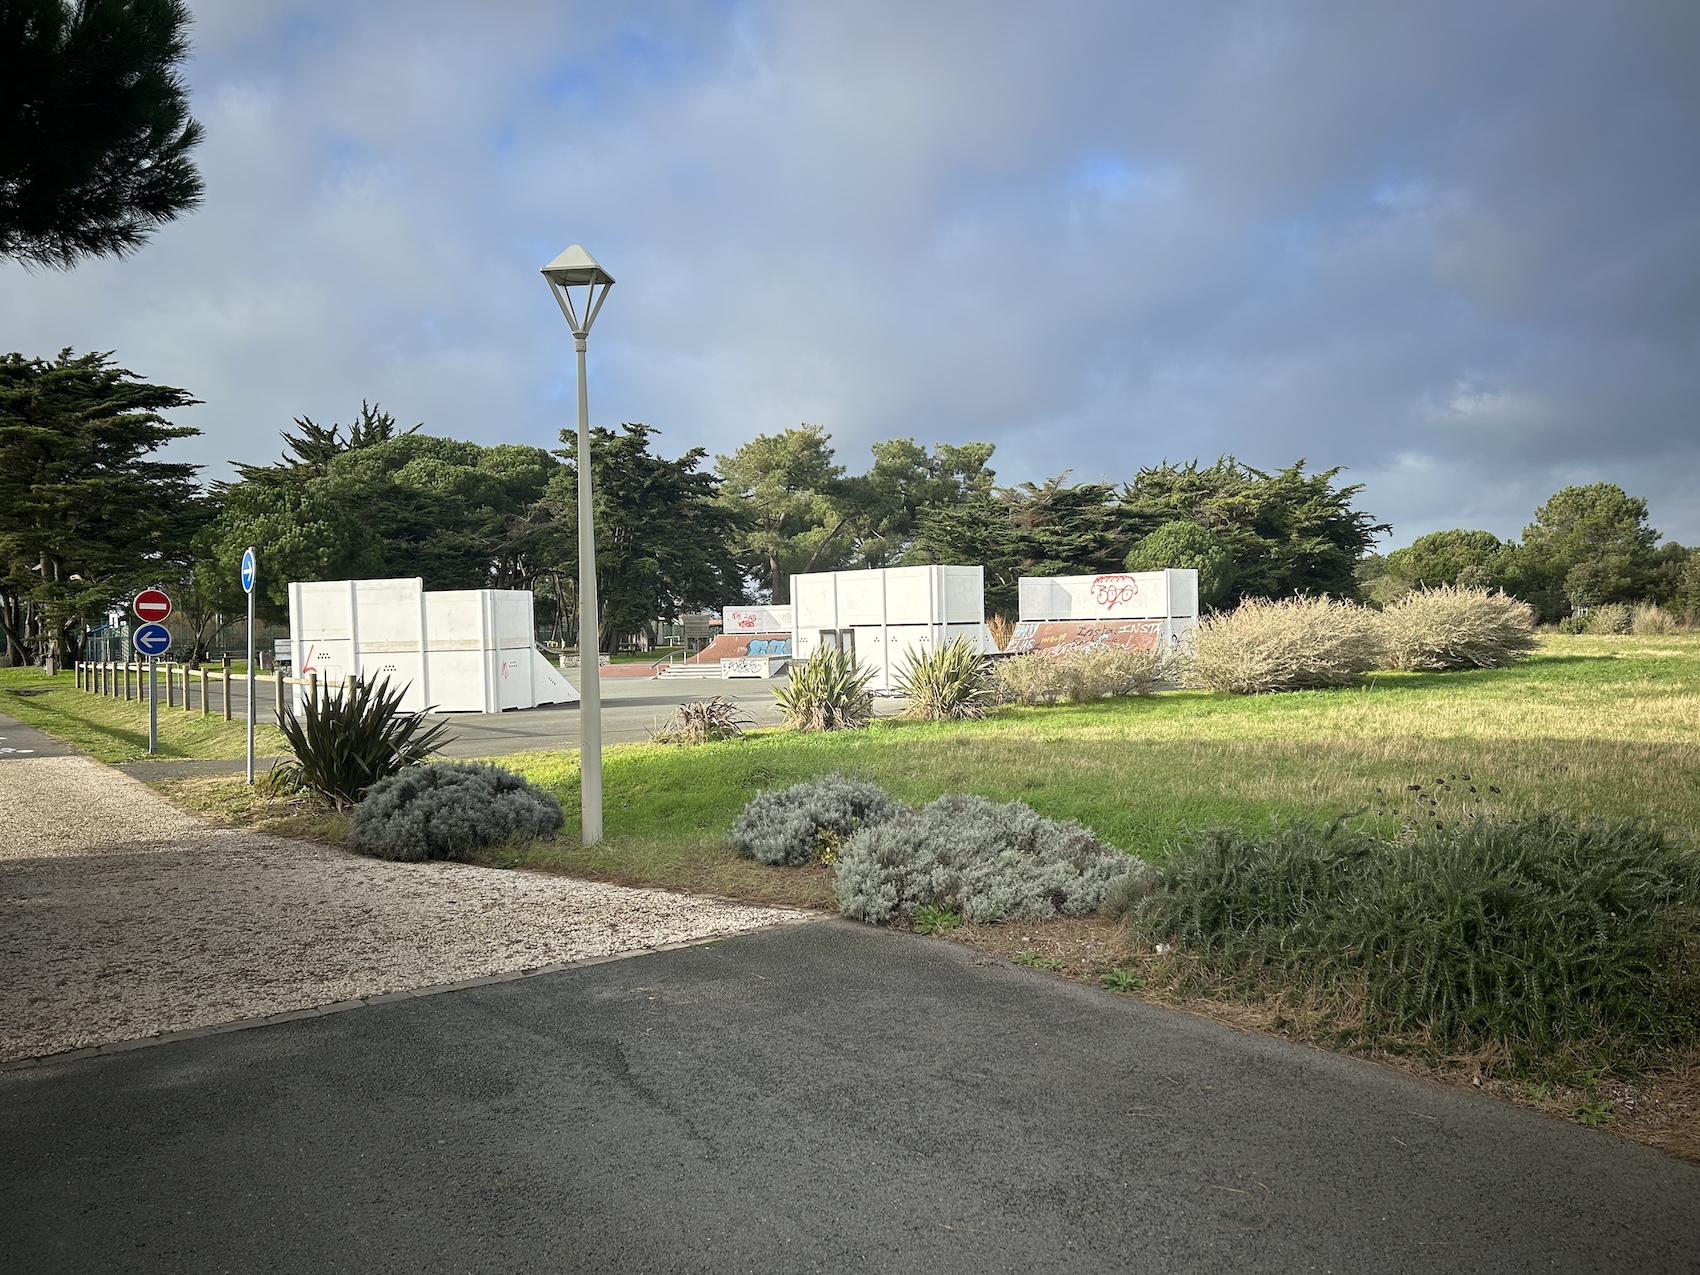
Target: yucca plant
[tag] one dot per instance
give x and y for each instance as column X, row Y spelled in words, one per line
column 703, row 721
column 948, row 683
column 351, row 739
column 828, row 691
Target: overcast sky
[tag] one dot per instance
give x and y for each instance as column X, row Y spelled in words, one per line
column 1451, row 246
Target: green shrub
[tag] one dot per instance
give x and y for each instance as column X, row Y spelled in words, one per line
column 1573, row 624
column 806, row 822
column 349, row 740
column 828, row 691
column 1564, row 943
column 1649, row 618
column 1456, row 628
column 980, row 859
column 702, row 721
column 1293, row 645
column 948, row 683
column 447, row 809
column 1187, row 544
column 1608, row 619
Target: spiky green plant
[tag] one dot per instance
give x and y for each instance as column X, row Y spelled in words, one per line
column 828, row 691
column 349, row 740
column 948, row 683
column 703, row 721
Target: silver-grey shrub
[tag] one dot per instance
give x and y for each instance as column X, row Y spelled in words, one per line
column 1296, row 644
column 1432, row 630
column 447, row 809
column 793, row 826
column 985, row 860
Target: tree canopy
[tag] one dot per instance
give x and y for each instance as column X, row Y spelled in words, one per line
column 662, row 535
column 95, row 132
column 86, row 513
column 1591, row 545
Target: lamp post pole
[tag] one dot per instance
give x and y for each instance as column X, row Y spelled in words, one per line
column 577, row 268
column 589, row 625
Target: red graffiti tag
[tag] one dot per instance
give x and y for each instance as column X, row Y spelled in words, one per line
column 1112, row 591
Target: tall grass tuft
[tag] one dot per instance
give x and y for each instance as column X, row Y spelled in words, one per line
column 1293, row 645
column 828, row 691
column 948, row 683
column 1559, row 944
column 349, row 740
column 1456, row 628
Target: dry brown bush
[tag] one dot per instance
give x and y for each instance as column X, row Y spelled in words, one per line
column 1113, row 670
column 1651, row 618
column 1078, row 677
column 1293, row 645
column 1028, row 679
column 1431, row 630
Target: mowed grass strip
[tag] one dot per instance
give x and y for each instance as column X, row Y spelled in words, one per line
column 1606, row 726
column 115, row 730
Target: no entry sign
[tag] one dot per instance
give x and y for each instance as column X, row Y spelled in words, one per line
column 152, row 605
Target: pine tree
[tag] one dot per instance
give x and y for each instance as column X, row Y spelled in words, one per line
column 95, row 132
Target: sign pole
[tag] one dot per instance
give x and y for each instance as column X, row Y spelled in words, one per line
column 153, row 705
column 153, row 640
column 248, row 576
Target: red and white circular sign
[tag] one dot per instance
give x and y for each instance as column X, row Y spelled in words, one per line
column 152, row 605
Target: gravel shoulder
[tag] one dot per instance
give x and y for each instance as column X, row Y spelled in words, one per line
column 122, row 917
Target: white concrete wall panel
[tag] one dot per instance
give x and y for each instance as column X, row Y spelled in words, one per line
column 1124, row 595
column 466, row 650
column 756, row 619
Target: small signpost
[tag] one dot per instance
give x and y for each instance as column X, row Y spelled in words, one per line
column 153, row 640
column 250, row 572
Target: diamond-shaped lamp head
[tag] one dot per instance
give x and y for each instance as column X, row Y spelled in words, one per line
column 575, row 265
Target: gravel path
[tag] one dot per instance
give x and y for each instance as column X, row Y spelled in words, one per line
column 121, row 917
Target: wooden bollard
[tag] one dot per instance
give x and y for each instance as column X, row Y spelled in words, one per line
column 280, row 695
column 227, row 688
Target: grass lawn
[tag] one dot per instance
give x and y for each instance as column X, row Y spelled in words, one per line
column 1607, row 726
column 113, row 730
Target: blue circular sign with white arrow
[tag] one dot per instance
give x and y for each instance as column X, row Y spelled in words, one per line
column 248, row 571
column 152, row 639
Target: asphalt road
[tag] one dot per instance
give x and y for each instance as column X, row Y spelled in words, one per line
column 822, row 1098
column 631, row 709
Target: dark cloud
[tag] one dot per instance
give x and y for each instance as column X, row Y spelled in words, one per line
column 1453, row 246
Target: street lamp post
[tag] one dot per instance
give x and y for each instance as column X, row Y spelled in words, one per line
column 576, row 268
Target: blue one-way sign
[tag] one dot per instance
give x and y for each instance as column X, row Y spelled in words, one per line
column 153, row 639
column 248, row 571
